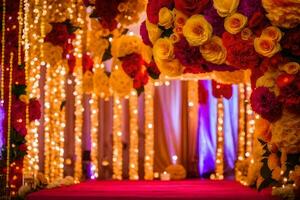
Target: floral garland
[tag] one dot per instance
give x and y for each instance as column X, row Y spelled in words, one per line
column 263, row 36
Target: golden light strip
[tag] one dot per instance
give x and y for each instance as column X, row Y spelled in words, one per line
column 117, row 139
column 250, row 120
column 78, row 93
column 220, row 142
column 133, row 137
column 94, row 135
column 149, row 131
column 3, row 49
column 31, row 160
column 193, row 104
column 54, row 121
column 8, row 145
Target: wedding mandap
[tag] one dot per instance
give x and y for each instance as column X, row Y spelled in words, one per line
column 150, row 99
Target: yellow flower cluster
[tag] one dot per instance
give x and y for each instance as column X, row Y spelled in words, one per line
column 101, row 84
column 235, row 23
column 125, row 45
column 214, row 51
column 286, row 133
column 54, row 54
column 283, row 13
column 120, row 82
column 130, row 11
column 268, row 43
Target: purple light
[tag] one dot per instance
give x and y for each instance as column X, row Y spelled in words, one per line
column 2, row 115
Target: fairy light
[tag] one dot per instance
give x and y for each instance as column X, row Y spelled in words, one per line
column 133, row 151
column 220, row 142
column 94, row 134
column 149, row 131
column 117, row 139
column 78, row 92
column 9, row 118
column 3, row 49
column 54, row 121
column 250, row 120
column 193, row 105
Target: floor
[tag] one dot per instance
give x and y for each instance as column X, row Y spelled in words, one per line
column 156, row 190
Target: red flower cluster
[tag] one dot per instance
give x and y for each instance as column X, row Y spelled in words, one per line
column 87, row 63
column 107, row 12
column 221, row 90
column 153, row 70
column 191, row 7
column 34, row 110
column 132, row 65
column 188, row 56
column 265, row 103
column 240, row 53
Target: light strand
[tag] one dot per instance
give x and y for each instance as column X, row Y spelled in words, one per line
column 133, row 137
column 94, row 135
column 9, row 118
column 117, row 139
column 250, row 120
column 3, row 50
column 220, row 142
column 149, row 131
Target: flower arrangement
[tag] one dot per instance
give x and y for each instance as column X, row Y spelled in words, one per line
column 224, row 36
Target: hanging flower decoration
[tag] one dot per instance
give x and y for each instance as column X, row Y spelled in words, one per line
column 112, row 13
column 60, row 38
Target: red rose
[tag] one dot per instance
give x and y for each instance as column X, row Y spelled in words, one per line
column 191, row 7
column 240, row 53
column 153, row 70
column 221, row 90
column 140, row 80
column 71, row 62
column 58, row 35
column 18, row 118
column 291, row 41
column 87, row 63
column 107, row 11
column 34, row 109
column 23, row 147
column 153, row 8
column 284, row 80
column 258, row 22
column 132, row 64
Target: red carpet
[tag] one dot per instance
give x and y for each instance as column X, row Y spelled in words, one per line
column 156, row 190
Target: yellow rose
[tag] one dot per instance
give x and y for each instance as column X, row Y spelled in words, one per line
column 266, row 47
column 272, row 33
column 276, row 173
column 214, row 51
column 163, row 49
column 125, row 45
column 180, row 18
column 290, row 67
column 175, row 37
column 273, row 161
column 246, row 34
column 101, row 83
column 267, row 80
column 154, row 31
column 146, row 53
column 165, row 17
column 169, row 68
column 87, row 82
column 197, row 30
column 120, row 82
column 226, row 7
column 24, row 98
column 235, row 23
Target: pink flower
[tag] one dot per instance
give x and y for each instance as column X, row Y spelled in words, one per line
column 144, row 34
column 265, row 103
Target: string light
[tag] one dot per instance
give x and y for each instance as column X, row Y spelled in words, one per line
column 94, row 135
column 9, row 118
column 3, row 49
column 250, row 120
column 220, row 142
column 117, row 139
column 149, row 131
column 193, row 105
column 133, row 151
column 78, row 93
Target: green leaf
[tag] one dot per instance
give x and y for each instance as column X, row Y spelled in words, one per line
column 166, row 32
column 266, row 154
column 107, row 54
column 261, row 141
column 18, row 90
column 265, row 172
column 140, row 90
column 265, row 183
column 62, row 105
